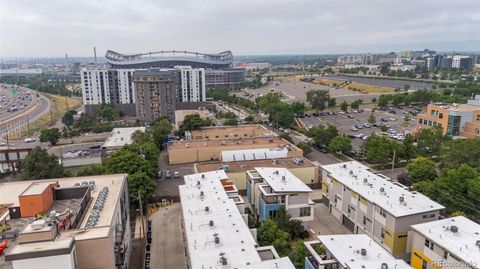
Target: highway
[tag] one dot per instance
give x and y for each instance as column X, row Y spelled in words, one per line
column 29, row 106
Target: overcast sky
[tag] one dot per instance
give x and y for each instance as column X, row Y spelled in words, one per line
column 54, row 27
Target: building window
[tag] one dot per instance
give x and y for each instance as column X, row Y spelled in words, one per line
column 305, row 212
column 272, row 214
column 383, row 213
column 445, row 255
column 382, row 234
column 440, row 115
column 364, row 221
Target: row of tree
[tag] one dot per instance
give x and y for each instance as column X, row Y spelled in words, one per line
column 41, row 83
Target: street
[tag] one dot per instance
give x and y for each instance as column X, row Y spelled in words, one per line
column 168, row 248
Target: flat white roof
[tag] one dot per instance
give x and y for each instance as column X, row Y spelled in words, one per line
column 282, row 180
column 346, row 248
column 462, row 244
column 37, row 187
column 221, row 220
column 120, row 137
column 361, row 180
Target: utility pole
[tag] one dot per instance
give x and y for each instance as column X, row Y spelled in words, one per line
column 28, row 124
column 393, row 162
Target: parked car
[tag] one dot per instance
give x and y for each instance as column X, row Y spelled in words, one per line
column 350, row 116
column 167, row 174
column 160, row 174
column 353, row 128
column 176, row 174
column 29, row 140
column 366, row 125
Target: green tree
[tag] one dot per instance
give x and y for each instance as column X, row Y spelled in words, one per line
column 459, row 152
column 410, row 150
column 126, row 161
column 384, row 99
column 332, row 102
column 230, row 122
column 67, row 118
column 85, row 123
column 383, row 128
column 299, row 255
column 305, row 147
column 406, row 87
column 282, row 243
column 344, row 106
column 159, row 131
column 322, row 136
column 266, row 102
column 51, row 135
column 90, row 170
column 147, row 150
column 379, row 149
column 140, row 183
column 341, row 144
column 421, row 169
column 38, row 164
column 298, row 108
column 318, row 99
column 108, row 112
column 356, row 104
column 267, row 232
column 249, row 118
column 430, row 141
column 372, row 119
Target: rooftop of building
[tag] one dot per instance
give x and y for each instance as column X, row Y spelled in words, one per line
column 347, row 250
column 203, row 113
column 377, row 189
column 462, row 242
column 214, row 228
column 282, row 180
column 243, row 166
column 272, row 142
column 120, row 137
column 457, row 107
column 251, row 130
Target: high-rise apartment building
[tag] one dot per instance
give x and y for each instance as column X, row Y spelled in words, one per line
column 192, row 84
column 462, row 62
column 155, row 94
column 107, row 86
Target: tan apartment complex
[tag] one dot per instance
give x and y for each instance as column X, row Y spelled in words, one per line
column 367, row 202
column 70, row 223
column 211, row 150
column 461, row 120
column 302, row 168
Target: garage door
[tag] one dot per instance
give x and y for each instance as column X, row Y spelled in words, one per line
column 336, row 213
column 348, row 223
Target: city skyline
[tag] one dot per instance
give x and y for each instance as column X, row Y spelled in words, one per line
column 245, row 27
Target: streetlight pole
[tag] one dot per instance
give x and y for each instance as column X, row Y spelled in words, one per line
column 141, row 213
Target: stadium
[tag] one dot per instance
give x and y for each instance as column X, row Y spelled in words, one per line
column 168, row 59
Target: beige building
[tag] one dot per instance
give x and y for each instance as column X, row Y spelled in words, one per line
column 211, row 150
column 79, row 223
column 446, row 243
column 202, row 112
column 302, row 168
column 367, row 202
column 231, row 132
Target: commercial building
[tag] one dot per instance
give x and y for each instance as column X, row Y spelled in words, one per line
column 11, row 157
column 368, row 203
column 461, row 120
column 446, row 243
column 202, row 112
column 230, row 132
column 254, row 66
column 120, row 137
column 351, row 59
column 215, row 227
column 349, row 251
column 271, row 188
column 211, row 150
column 155, row 94
column 236, row 171
column 228, row 77
column 462, row 62
column 78, row 223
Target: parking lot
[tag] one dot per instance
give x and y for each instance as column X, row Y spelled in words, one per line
column 168, row 187
column 297, row 90
column 345, row 122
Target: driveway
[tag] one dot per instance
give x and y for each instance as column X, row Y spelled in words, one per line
column 168, row 248
column 324, row 223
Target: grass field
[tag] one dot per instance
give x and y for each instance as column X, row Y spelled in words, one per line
column 327, row 82
column 60, row 105
column 365, row 88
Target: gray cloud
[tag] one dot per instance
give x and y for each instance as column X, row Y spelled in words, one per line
column 55, row 27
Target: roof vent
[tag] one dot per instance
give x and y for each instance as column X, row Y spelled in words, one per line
column 363, row 252
column 384, row 265
column 203, row 175
column 283, row 178
column 210, row 223
column 207, row 209
column 201, row 194
column 344, row 166
column 382, row 189
column 454, row 229
column 365, row 180
column 223, row 260
column 350, row 172
column 401, row 199
column 217, row 239
column 478, row 243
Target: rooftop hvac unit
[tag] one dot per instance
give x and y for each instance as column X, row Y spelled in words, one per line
column 223, row 260
column 84, row 183
column 207, row 209
column 283, row 179
column 477, row 243
column 201, row 193
column 76, row 185
column 350, row 172
column 344, row 166
column 203, row 175
column 210, row 223
column 384, row 266
column 401, row 199
column 454, row 229
column 216, row 239
column 38, row 224
column 363, row 252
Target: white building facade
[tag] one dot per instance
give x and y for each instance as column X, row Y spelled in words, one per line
column 107, row 86
column 192, row 84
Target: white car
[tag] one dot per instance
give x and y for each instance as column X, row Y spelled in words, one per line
column 29, row 140
column 353, row 129
column 3, row 144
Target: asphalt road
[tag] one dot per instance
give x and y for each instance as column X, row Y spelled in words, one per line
column 383, row 82
column 168, row 248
